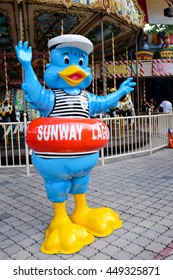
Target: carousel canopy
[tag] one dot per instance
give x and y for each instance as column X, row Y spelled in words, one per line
column 40, row 20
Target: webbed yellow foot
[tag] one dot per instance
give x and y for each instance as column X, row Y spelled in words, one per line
column 63, row 236
column 100, row 222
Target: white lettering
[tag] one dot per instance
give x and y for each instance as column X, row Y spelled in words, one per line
column 79, row 130
column 54, row 132
column 63, row 131
column 94, row 137
column 72, row 132
column 60, row 132
column 40, row 132
column 47, row 132
column 100, row 132
column 105, row 132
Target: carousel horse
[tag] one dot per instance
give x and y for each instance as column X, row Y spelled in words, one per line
column 126, row 108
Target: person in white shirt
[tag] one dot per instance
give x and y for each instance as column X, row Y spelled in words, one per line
column 166, row 106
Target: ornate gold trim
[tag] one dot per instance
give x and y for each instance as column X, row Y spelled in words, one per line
column 98, row 4
column 139, row 24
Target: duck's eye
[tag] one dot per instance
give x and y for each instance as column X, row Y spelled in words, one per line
column 66, row 60
column 81, row 61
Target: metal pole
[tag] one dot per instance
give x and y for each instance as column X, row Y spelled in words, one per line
column 113, row 59
column 102, row 150
column 137, row 78
column 150, row 132
column 62, row 26
column 93, row 73
column 103, row 60
column 24, row 101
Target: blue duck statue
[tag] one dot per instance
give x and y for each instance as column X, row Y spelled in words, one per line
column 66, row 140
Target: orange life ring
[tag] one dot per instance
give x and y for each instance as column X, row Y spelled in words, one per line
column 65, row 135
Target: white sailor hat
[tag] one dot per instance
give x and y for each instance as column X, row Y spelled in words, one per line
column 71, row 40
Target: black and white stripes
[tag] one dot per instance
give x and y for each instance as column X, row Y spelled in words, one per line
column 63, row 155
column 70, row 106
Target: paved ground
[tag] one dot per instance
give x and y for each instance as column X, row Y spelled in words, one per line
column 140, row 189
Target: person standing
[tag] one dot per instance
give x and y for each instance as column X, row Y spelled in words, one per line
column 166, row 106
column 151, row 104
column 148, row 105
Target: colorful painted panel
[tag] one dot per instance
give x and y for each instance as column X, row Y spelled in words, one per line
column 128, row 9
column 162, row 67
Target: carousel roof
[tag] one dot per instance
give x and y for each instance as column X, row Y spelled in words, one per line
column 39, row 20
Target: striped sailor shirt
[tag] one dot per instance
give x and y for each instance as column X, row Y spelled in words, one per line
column 70, row 106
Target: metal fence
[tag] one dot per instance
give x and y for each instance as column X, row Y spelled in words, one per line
column 128, row 136
column 137, row 134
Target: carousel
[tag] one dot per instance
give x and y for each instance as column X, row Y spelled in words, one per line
column 114, row 28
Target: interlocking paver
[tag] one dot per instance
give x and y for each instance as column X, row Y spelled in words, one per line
column 121, row 243
column 146, row 255
column 26, row 242
column 138, row 229
column 128, row 225
column 6, row 243
column 150, row 234
column 99, row 244
column 41, row 256
column 139, row 188
column 110, row 250
column 5, row 228
column 77, row 257
column 163, row 239
column 34, row 248
column 155, row 247
column 12, row 249
column 130, row 236
column 89, row 252
column 146, row 224
column 159, row 228
column 19, row 237
column 123, row 255
column 4, row 256
column 169, row 233
column 142, row 241
column 100, row 256
column 133, row 248
column 21, row 255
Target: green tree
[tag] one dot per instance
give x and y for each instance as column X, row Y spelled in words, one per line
column 156, row 28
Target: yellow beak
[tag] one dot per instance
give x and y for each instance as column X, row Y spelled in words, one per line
column 73, row 75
